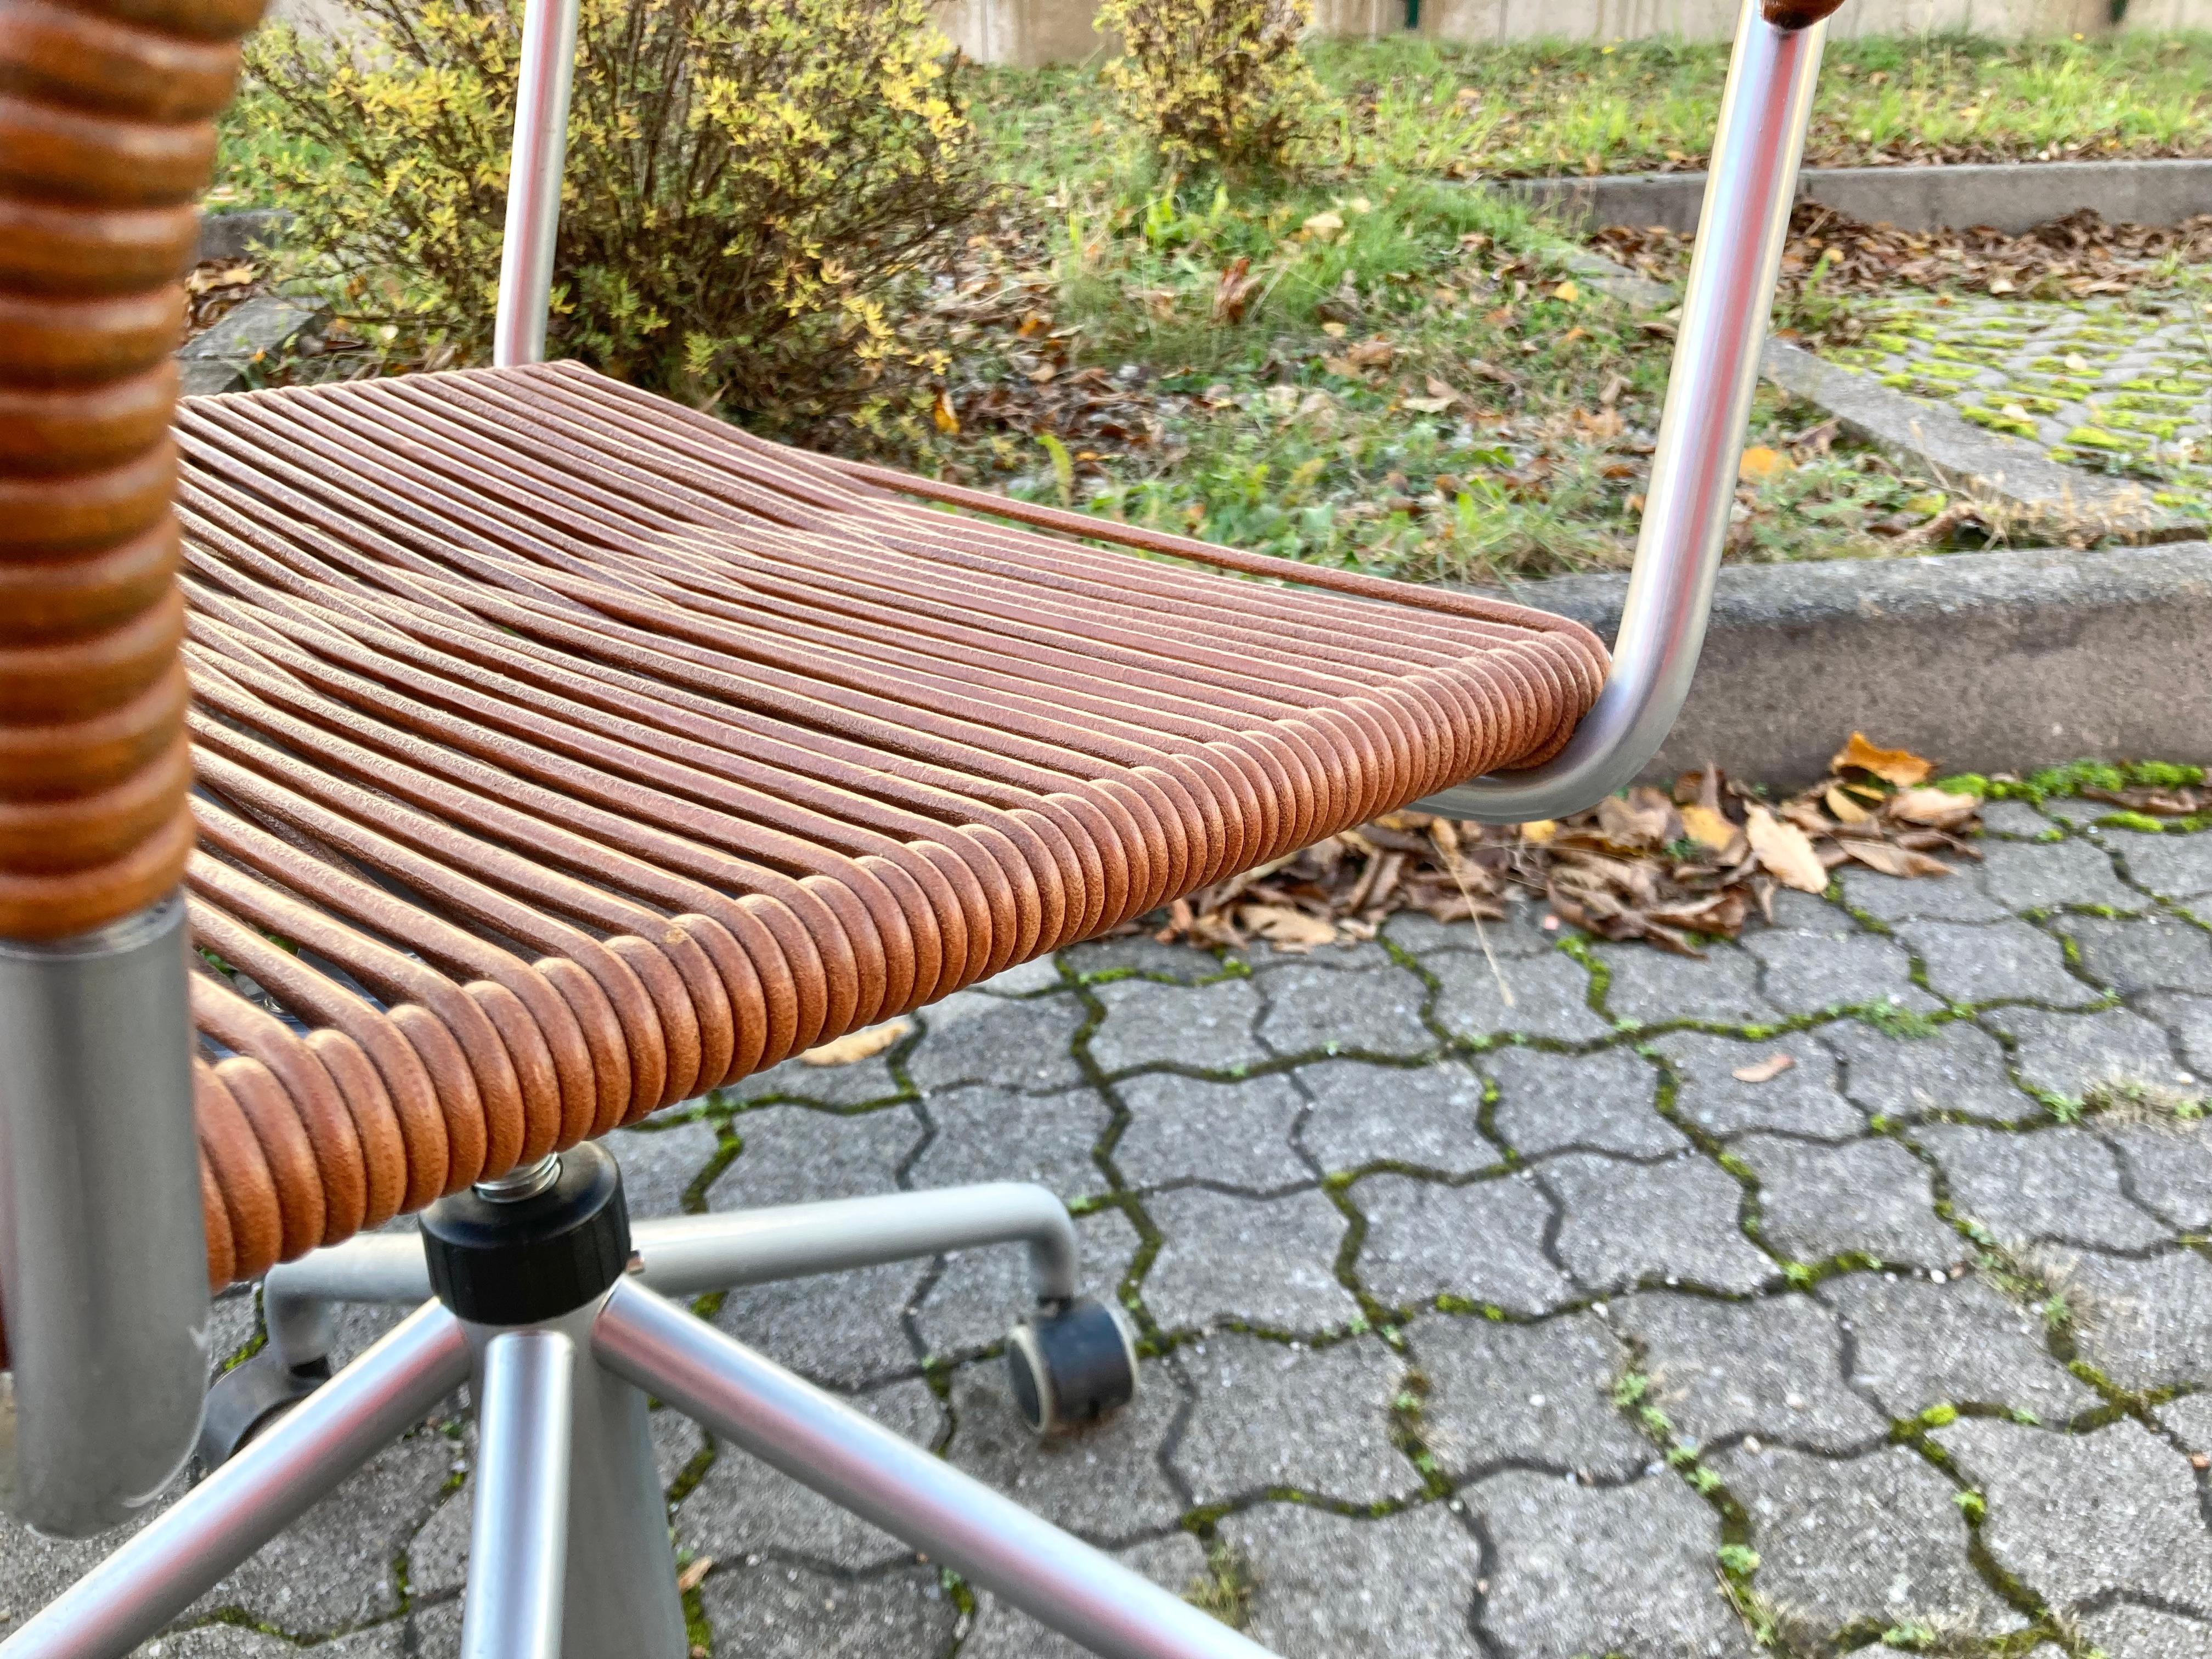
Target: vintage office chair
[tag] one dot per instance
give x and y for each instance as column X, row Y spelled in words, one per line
column 561, row 754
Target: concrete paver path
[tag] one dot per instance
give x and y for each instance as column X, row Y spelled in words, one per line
column 1525, row 1310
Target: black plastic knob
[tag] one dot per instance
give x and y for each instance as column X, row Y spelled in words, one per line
column 517, row 1261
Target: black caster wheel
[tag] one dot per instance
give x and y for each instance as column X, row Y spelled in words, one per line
column 246, row 1399
column 1070, row 1367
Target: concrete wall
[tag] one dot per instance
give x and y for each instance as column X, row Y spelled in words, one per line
column 1033, row 33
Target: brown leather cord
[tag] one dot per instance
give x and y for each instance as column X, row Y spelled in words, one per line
column 562, row 754
column 106, row 134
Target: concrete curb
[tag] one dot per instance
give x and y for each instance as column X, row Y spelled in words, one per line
column 233, row 235
column 1986, row 661
column 2011, row 195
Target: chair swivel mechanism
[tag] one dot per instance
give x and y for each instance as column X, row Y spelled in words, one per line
column 404, row 783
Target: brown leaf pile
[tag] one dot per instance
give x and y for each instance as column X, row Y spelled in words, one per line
column 2072, row 258
column 2180, row 802
column 1670, row 869
column 214, row 287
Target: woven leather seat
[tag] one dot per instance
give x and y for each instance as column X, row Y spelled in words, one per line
column 564, row 753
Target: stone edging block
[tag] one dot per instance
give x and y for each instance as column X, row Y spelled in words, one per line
column 2011, row 195
column 1987, row 661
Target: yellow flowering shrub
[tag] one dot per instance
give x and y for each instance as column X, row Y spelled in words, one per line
column 1217, row 83
column 751, row 186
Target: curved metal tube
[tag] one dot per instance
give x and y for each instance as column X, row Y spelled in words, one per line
column 1693, row 474
column 533, row 182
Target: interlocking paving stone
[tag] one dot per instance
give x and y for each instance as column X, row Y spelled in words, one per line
column 1483, row 1242
column 973, row 1039
column 1958, row 896
column 1313, row 1008
column 2190, row 1419
column 2144, row 953
column 1803, row 1099
column 2008, row 961
column 1229, row 1134
column 1363, row 1114
column 2134, row 1632
column 793, row 1155
column 1275, row 1414
column 1334, row 1587
column 1102, row 1482
column 2079, row 1517
column 981, row 1292
column 1628, row 1223
column 1624, row 1569
column 744, row 1507
column 1208, row 1028
column 1807, row 971
column 2061, row 1186
column 358, row 1529
column 1551, row 997
column 1876, row 1537
column 1541, row 1395
column 1270, row 1261
column 1605, row 1101
column 1140, row 953
column 2146, row 1324
column 773, row 1610
column 862, row 1082
column 1914, row 1343
column 2169, row 1166
column 2013, row 817
column 1871, row 1197
column 2069, row 1054
column 1026, row 980
column 2027, row 876
column 1173, row 1562
column 2190, row 1019
column 658, row 1163
column 1516, row 1406
column 1519, row 934
column 1771, row 1367
column 1652, row 988
column 984, row 1132
column 1959, row 1067
column 2176, row 866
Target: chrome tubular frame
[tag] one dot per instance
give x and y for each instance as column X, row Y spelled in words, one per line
column 533, row 182
column 103, row 1267
column 519, row 1538
column 1738, row 256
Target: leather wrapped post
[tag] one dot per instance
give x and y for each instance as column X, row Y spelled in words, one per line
column 107, row 136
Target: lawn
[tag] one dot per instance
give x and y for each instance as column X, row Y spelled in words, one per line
column 1380, row 363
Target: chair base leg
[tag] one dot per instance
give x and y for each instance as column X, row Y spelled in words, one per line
column 614, row 1572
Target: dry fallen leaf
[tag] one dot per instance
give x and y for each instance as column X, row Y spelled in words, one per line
column 1784, row 851
column 942, row 413
column 1895, row 861
column 1540, row 831
column 1760, row 462
column 1284, row 928
column 1898, row 766
column 1847, row 810
column 1707, row 828
column 1324, row 225
column 693, row 1575
column 1937, row 807
column 1430, row 406
column 1567, row 292
column 857, row 1045
column 1764, row 1071
column 1373, row 352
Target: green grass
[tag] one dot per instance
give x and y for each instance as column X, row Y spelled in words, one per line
column 1420, row 106
column 1263, row 431
column 1270, row 431
column 1651, row 105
